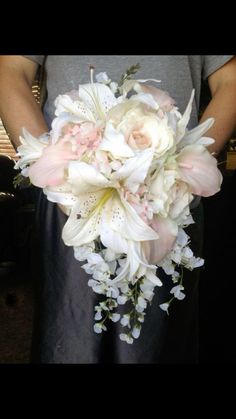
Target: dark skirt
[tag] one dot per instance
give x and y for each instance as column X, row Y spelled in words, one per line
column 64, row 306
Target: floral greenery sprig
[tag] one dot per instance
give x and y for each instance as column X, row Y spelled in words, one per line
column 129, row 73
column 115, row 87
column 20, row 180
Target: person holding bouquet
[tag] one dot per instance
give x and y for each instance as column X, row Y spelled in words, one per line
column 64, row 304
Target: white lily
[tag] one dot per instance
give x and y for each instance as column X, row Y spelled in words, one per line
column 85, row 178
column 183, row 122
column 194, row 136
column 60, row 196
column 92, row 103
column 31, row 148
column 135, row 263
column 102, row 211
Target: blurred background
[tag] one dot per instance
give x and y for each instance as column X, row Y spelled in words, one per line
column 217, row 285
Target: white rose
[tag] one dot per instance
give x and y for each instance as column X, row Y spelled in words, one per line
column 160, row 189
column 143, row 129
column 152, row 132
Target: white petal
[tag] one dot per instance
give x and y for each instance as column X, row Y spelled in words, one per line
column 98, row 316
column 199, row 169
column 115, row 317
column 65, row 104
column 114, row 142
column 157, row 250
column 180, row 296
column 59, row 122
column 60, row 197
column 122, row 299
column 153, row 278
column 136, row 332
column 147, row 99
column 102, row 77
column 194, row 136
column 98, row 97
column 84, row 178
column 83, row 224
column 123, row 218
column 182, row 124
column 30, row 150
column 134, row 84
column 134, row 170
column 164, row 306
column 205, row 141
column 97, row 328
column 111, row 238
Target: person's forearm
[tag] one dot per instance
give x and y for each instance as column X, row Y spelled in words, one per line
column 222, row 108
column 18, row 108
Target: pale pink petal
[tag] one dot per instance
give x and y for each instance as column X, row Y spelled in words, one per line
column 156, row 250
column 49, row 169
column 198, row 168
column 161, row 97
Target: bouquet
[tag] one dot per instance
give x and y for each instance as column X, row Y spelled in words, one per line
column 123, row 166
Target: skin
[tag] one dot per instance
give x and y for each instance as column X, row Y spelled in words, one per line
column 18, row 107
column 222, row 106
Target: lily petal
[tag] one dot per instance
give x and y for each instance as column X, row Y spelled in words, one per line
column 98, row 98
column 121, row 217
column 167, row 230
column 61, row 198
column 147, row 99
column 134, row 170
column 83, row 224
column 31, row 148
column 49, row 169
column 114, row 142
column 110, row 238
column 59, row 122
column 84, row 178
column 199, row 169
column 194, row 136
column 65, row 104
column 183, row 122
column 161, row 98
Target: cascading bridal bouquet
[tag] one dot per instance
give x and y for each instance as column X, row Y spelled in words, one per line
column 121, row 163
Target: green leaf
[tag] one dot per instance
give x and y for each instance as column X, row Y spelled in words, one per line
column 20, row 180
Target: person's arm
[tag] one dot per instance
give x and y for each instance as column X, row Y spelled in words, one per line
column 222, row 106
column 18, row 107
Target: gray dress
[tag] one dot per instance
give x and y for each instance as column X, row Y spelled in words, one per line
column 64, row 304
